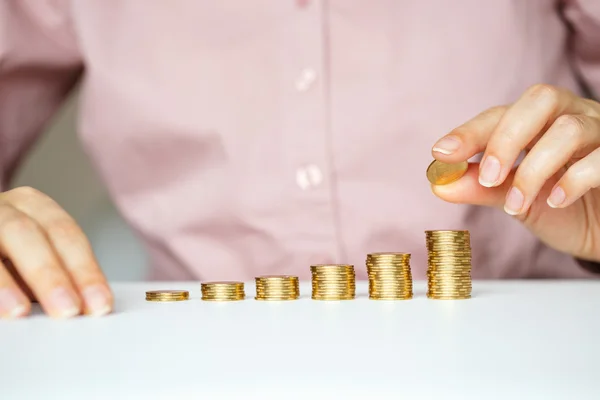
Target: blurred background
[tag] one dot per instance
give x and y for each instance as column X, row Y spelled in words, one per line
column 58, row 167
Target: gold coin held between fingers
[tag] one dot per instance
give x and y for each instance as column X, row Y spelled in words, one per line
column 439, row 173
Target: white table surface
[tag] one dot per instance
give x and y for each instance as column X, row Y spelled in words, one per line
column 513, row 340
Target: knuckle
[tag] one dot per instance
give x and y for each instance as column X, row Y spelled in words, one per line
column 25, row 191
column 47, row 276
column 18, row 224
column 526, row 175
column 64, row 229
column 461, row 132
column 572, row 126
column 568, row 177
column 24, row 195
column 578, row 174
column 593, row 110
column 508, row 137
column 573, row 183
column 494, row 111
column 544, row 91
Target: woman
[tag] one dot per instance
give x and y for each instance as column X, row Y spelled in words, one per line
column 246, row 138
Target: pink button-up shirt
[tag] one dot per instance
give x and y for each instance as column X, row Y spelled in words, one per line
column 241, row 138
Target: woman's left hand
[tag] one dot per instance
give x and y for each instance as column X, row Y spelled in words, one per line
column 554, row 191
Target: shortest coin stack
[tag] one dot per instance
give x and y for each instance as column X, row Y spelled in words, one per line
column 333, row 282
column 449, row 265
column 277, row 287
column 390, row 277
column 167, row 295
column 223, row 291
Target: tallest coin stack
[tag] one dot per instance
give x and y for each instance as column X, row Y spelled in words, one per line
column 449, row 264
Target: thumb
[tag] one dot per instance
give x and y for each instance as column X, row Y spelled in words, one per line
column 468, row 190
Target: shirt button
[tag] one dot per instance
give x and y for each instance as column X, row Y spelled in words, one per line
column 306, row 80
column 309, row 176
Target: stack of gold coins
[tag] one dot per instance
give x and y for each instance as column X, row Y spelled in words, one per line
column 333, row 282
column 167, row 295
column 277, row 287
column 390, row 277
column 449, row 264
column 223, row 291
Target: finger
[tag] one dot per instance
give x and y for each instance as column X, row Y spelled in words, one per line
column 576, row 181
column 23, row 241
column 520, row 125
column 569, row 136
column 71, row 245
column 468, row 139
column 18, row 279
column 467, row 190
column 13, row 303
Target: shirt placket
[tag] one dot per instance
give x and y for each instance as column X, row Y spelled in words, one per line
column 306, row 122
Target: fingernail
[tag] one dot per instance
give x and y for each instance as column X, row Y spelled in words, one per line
column 10, row 306
column 62, row 303
column 514, row 201
column 447, row 145
column 557, row 197
column 96, row 300
column 490, row 171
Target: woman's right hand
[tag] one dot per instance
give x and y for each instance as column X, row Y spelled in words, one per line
column 45, row 256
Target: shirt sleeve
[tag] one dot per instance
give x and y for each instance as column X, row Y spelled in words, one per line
column 39, row 66
column 584, row 19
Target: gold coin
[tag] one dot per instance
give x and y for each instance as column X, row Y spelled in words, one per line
column 162, row 299
column 390, row 276
column 332, row 298
column 167, row 295
column 276, row 278
column 459, row 297
column 167, row 292
column 222, row 291
column 449, row 264
column 277, row 287
column 442, row 232
column 333, row 282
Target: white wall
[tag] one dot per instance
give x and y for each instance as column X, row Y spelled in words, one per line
column 58, row 167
